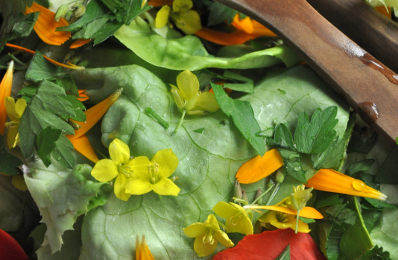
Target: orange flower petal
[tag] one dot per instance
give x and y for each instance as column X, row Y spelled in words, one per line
column 45, row 25
column 156, row 3
column 94, row 114
column 223, row 38
column 261, row 30
column 306, row 212
column 5, row 91
column 333, row 181
column 83, row 146
column 243, row 24
column 386, row 11
column 78, row 43
column 82, row 95
column 142, row 251
column 70, row 66
column 259, row 167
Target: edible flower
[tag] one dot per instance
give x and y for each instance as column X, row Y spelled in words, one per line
column 14, row 111
column 83, row 146
column 237, row 218
column 333, row 181
column 188, row 98
column 155, row 176
column 181, row 14
column 142, row 251
column 82, row 95
column 120, row 166
column 274, row 219
column 46, row 25
column 207, row 235
column 5, row 91
column 259, row 167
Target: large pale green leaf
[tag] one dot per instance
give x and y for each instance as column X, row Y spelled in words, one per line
column 61, row 195
column 188, row 52
column 208, row 159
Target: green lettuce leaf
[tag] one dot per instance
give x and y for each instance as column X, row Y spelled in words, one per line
column 61, row 195
column 208, row 160
column 188, row 52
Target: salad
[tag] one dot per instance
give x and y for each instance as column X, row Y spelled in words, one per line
column 179, row 129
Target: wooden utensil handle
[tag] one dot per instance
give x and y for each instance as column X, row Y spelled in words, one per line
column 367, row 85
column 364, row 25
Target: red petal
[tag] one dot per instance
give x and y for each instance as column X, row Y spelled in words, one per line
column 10, row 249
column 270, row 244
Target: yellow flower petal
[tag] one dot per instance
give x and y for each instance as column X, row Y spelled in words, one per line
column 243, row 24
column 119, row 189
column 333, row 181
column 204, row 249
column 285, row 221
column 5, row 91
column 83, row 146
column 177, row 96
column 188, row 84
column 45, row 26
column 237, row 219
column 162, row 16
column 11, row 110
column 20, row 107
column 182, row 5
column 18, row 182
column 195, row 229
column 206, row 102
column 142, row 251
column 306, row 212
column 167, row 161
column 166, row 187
column 139, row 166
column 78, row 43
column 259, row 167
column 119, row 151
column 223, row 238
column 104, row 170
column 12, row 137
column 138, row 186
column 189, row 22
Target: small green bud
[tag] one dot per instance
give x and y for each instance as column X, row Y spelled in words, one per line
column 258, row 194
column 271, row 183
column 79, row 9
column 238, row 190
column 244, row 196
column 280, row 176
column 61, row 12
column 68, row 15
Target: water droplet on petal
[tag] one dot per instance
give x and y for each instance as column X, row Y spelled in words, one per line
column 358, row 185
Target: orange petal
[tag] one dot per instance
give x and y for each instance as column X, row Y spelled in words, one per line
column 82, row 95
column 259, row 167
column 45, row 25
column 70, row 66
column 306, row 212
column 78, row 43
column 333, row 181
column 386, row 11
column 261, row 30
column 5, row 91
column 223, row 38
column 142, row 251
column 156, row 3
column 94, row 114
column 243, row 24
column 83, row 146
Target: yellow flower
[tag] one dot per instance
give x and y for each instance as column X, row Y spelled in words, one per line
column 207, row 235
column 121, row 166
column 300, row 197
column 5, row 91
column 155, row 176
column 188, row 98
column 142, row 251
column 274, row 219
column 184, row 18
column 237, row 218
column 14, row 111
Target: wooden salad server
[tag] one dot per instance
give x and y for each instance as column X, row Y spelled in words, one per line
column 368, row 86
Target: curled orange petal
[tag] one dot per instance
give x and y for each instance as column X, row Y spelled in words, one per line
column 333, row 181
column 69, row 66
column 82, row 95
column 94, row 114
column 79, row 43
column 5, row 91
column 306, row 212
column 142, row 251
column 45, row 25
column 83, row 146
column 243, row 24
column 259, row 167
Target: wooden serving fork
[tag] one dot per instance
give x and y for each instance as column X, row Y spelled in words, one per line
column 368, row 86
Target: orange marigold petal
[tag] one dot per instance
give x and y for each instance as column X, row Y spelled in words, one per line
column 223, row 38
column 82, row 95
column 243, row 24
column 94, row 114
column 259, row 167
column 83, row 146
column 45, row 25
column 261, row 30
column 79, row 43
column 5, row 91
column 306, row 212
column 142, row 251
column 333, row 181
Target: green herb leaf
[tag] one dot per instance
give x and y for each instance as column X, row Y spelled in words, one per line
column 387, row 172
column 283, row 137
column 45, row 109
column 28, row 92
column 307, row 220
column 241, row 113
column 41, row 69
column 377, row 253
column 45, row 143
column 285, row 255
column 218, row 13
column 199, row 130
column 78, row 109
column 315, row 136
column 8, row 162
column 63, row 152
column 68, row 84
column 326, row 199
column 292, row 164
column 361, row 166
column 246, row 85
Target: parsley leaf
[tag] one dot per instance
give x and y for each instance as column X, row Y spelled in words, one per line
column 40, row 69
column 242, row 114
column 315, row 136
column 8, row 162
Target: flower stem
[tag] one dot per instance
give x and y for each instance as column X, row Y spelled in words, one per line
column 265, row 192
column 182, row 118
column 149, row 111
column 297, row 219
column 273, row 194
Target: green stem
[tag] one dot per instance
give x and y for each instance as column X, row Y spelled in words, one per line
column 265, row 192
column 297, row 219
column 160, row 120
column 273, row 194
column 16, row 60
column 182, row 118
